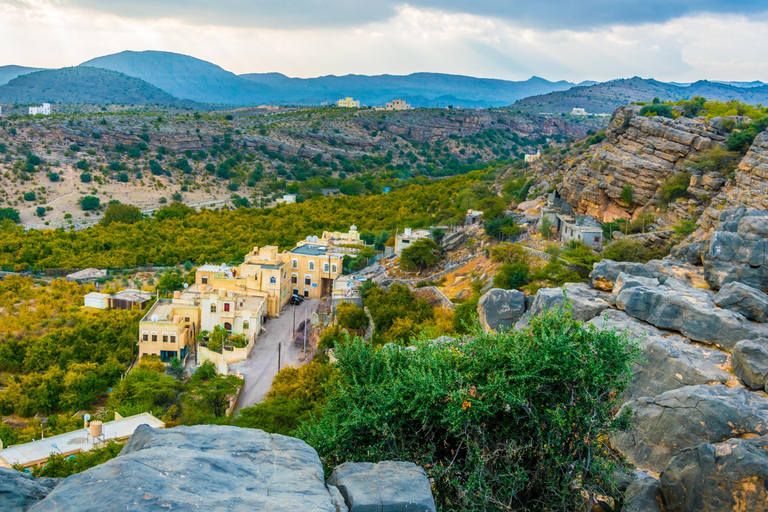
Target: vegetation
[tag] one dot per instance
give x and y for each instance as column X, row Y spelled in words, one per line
column 62, row 466
column 420, row 255
column 675, row 187
column 627, row 250
column 500, row 421
column 626, row 194
column 123, row 213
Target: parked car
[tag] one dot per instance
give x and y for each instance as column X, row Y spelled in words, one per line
column 296, row 300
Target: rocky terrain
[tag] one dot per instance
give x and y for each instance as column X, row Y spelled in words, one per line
column 698, row 396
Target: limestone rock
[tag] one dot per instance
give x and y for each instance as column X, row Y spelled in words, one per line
column 384, row 487
column 605, row 272
column 586, row 302
column 685, row 417
column 729, row 476
column 499, row 309
column 199, row 468
column 687, row 310
column 643, row 495
column 20, row 491
column 738, row 250
column 748, row 301
column 667, row 362
column 749, row 360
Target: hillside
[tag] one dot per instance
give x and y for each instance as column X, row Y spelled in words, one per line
column 84, row 85
column 608, row 96
column 8, row 73
column 185, row 77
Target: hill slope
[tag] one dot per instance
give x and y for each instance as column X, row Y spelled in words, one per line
column 608, row 96
column 8, row 73
column 84, row 85
column 183, row 76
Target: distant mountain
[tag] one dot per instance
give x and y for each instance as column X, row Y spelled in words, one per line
column 607, row 96
column 85, row 85
column 8, row 73
column 184, row 77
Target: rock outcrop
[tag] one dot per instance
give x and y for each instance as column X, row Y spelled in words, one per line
column 688, row 416
column 498, row 309
column 586, row 303
column 386, row 487
column 750, row 362
column 644, row 495
column 20, row 491
column 730, row 476
column 748, row 301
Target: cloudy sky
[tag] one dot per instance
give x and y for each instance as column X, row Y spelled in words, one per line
column 576, row 40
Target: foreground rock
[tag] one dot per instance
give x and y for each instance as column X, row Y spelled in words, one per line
column 737, row 250
column 666, row 362
column 383, row 487
column 749, row 360
column 605, row 272
column 200, row 468
column 643, row 495
column 748, row 301
column 20, row 491
column 729, row 476
column 586, row 303
column 499, row 309
column 685, row 417
column 689, row 311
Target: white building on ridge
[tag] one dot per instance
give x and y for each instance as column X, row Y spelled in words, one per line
column 43, row 110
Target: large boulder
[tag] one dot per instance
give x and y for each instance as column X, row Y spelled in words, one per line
column 687, row 310
column 586, row 303
column 749, row 360
column 729, row 476
column 199, row 468
column 684, row 417
column 666, row 362
column 750, row 302
column 605, row 272
column 644, row 495
column 499, row 309
column 19, row 491
column 738, row 250
column 383, row 487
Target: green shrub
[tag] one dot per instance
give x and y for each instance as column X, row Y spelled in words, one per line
column 88, row 203
column 86, row 177
column 420, row 255
column 675, row 187
column 499, row 421
column 627, row 250
column 626, row 194
column 9, row 214
column 29, row 196
column 54, row 176
column 657, row 109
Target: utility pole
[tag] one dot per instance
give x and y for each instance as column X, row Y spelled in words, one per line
column 306, row 307
column 279, row 345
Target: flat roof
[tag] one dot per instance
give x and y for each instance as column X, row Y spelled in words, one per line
column 97, row 295
column 75, row 441
column 88, row 273
column 310, row 250
column 163, row 308
column 132, row 294
column 212, row 268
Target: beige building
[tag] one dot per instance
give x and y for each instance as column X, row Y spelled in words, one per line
column 407, row 237
column 348, row 102
column 397, row 105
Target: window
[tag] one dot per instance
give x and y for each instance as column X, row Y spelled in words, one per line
column 334, row 268
column 165, row 337
column 307, row 280
column 205, row 280
column 228, row 327
column 311, row 265
column 294, row 263
column 246, row 325
column 145, row 336
column 154, row 336
column 213, row 308
column 186, row 319
column 273, row 280
column 325, row 268
column 294, row 279
column 173, row 338
column 226, row 306
column 597, row 239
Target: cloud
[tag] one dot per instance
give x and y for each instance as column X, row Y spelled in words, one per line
column 546, row 14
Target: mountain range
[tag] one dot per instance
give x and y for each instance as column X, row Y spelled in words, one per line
column 171, row 79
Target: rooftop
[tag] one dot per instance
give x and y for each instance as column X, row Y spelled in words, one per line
column 212, row 268
column 162, row 309
column 97, row 295
column 72, row 442
column 310, row 250
column 133, row 295
column 88, row 273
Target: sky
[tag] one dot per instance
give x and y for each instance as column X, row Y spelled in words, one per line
column 575, row 40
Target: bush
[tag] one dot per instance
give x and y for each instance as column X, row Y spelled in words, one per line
column 9, row 214
column 54, row 176
column 118, row 212
column 627, row 250
column 123, row 177
column 40, row 211
column 499, row 421
column 351, row 317
column 82, row 165
column 88, row 203
column 512, row 276
column 675, row 187
column 626, row 194
column 420, row 255
column 657, row 109
column 30, row 196
column 86, row 177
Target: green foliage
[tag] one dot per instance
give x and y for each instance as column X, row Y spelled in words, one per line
column 296, row 396
column 88, row 203
column 742, row 138
column 512, row 276
column 597, row 138
column 657, row 109
column 716, row 160
column 29, row 196
column 62, row 466
column 395, row 311
column 675, row 187
column 627, row 250
column 86, row 177
column 9, row 214
column 54, row 177
column 500, row 421
column 40, row 211
column 693, row 107
column 465, row 315
column 438, row 234
column 351, row 317
column 420, row 255
column 545, row 227
column 501, row 228
column 685, row 227
column 123, row 213
column 626, row 194
column 210, row 396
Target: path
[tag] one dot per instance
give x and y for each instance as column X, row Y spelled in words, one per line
column 261, row 366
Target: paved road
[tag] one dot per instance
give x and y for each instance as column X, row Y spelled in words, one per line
column 261, row 366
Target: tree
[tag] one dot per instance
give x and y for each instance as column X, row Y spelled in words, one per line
column 85, row 177
column 170, row 281
column 626, row 250
column 10, row 214
column 545, row 227
column 88, row 203
column 213, row 394
column 438, row 234
column 512, row 276
column 119, row 212
column 40, row 211
column 351, row 317
column 420, row 255
column 522, row 415
column 501, row 227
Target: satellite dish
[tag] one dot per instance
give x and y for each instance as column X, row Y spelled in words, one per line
column 309, row 238
column 186, row 286
column 314, row 239
column 87, row 417
column 155, row 318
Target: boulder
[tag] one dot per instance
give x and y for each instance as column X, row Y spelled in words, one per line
column 643, row 495
column 605, row 272
column 729, row 476
column 627, row 281
column 749, row 360
column 666, row 362
column 383, row 487
column 737, row 250
column 586, row 303
column 684, row 417
column 687, row 310
column 204, row 467
column 750, row 302
column 19, row 491
column 499, row 309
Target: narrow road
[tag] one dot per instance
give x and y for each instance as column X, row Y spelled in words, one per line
column 261, row 366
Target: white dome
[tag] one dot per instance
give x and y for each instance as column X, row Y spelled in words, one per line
column 353, row 228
